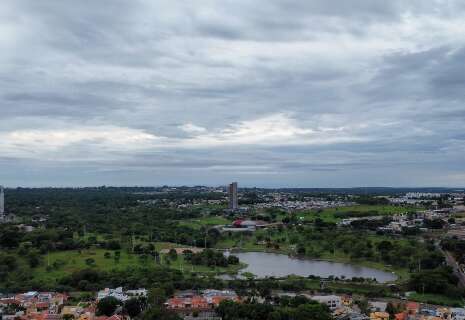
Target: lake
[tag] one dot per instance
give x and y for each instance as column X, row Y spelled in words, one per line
column 264, row 264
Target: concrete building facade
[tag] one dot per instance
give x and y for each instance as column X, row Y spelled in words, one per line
column 233, row 199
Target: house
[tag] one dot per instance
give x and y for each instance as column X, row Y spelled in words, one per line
column 443, row 313
column 346, row 300
column 412, row 308
column 113, row 317
column 116, row 293
column 37, row 305
column 352, row 316
column 120, row 294
column 74, row 311
column 187, row 303
column 137, row 293
column 209, row 299
column 457, row 313
column 377, row 306
column 333, row 302
column 378, row 315
column 401, row 316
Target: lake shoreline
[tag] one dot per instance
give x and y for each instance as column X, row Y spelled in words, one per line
column 331, row 262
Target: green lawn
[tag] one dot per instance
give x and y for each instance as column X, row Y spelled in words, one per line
column 209, row 221
column 68, row 262
column 437, row 299
column 328, row 214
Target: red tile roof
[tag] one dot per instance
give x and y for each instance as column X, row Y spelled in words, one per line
column 401, row 316
column 42, row 305
column 413, row 307
column 10, row 301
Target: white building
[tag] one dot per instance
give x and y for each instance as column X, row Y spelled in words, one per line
column 458, row 313
column 137, row 293
column 333, row 302
column 121, row 295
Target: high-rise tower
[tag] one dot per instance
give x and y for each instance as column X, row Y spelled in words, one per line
column 232, row 191
column 2, row 201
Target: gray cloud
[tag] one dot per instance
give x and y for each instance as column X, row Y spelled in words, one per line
column 270, row 93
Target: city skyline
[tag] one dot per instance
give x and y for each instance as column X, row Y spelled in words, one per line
column 269, row 93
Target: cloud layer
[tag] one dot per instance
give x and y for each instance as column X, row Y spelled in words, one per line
column 269, row 93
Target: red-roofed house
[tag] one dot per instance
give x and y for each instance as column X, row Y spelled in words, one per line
column 113, row 317
column 9, row 301
column 42, row 305
column 412, row 308
column 238, row 223
column 199, row 302
column 175, row 303
column 52, row 316
column 401, row 316
column 208, row 300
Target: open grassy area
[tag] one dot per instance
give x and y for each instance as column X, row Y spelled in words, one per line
column 437, row 299
column 58, row 264
column 209, row 221
column 330, row 214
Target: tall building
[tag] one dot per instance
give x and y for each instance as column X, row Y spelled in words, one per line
column 2, row 201
column 232, row 191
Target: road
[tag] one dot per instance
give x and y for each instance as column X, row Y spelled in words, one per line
column 450, row 260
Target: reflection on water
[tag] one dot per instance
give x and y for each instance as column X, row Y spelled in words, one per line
column 263, row 264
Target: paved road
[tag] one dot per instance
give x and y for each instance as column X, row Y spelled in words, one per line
column 450, row 260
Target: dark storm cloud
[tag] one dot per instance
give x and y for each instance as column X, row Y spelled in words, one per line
column 292, row 93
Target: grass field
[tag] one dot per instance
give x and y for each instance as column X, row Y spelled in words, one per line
column 63, row 263
column 437, row 299
column 205, row 221
column 329, row 214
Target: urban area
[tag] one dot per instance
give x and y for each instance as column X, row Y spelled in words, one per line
column 232, row 253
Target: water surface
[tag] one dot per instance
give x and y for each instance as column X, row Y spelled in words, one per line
column 264, row 264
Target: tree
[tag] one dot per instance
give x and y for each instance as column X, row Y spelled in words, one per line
column 33, row 258
column 385, row 246
column 363, row 305
column 440, row 280
column 157, row 296
column 172, row 254
column 68, row 316
column 233, row 259
column 392, row 310
column 159, row 313
column 133, row 307
column 107, row 306
column 313, row 311
column 113, row 245
column 90, row 261
column 301, row 249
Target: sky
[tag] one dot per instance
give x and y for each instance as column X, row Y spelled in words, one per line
column 269, row 93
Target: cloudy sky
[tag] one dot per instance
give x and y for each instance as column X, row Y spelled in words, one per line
column 312, row 93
